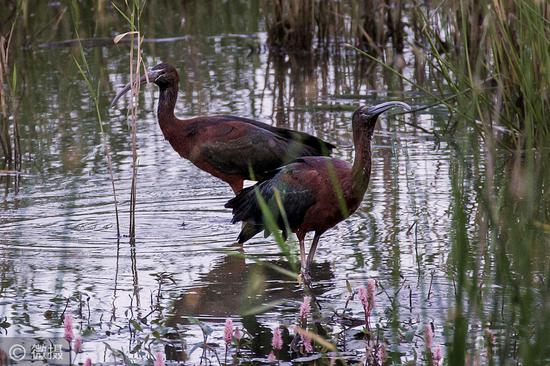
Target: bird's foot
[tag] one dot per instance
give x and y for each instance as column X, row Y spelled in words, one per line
column 237, row 246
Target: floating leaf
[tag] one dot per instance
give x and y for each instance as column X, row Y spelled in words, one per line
column 409, row 335
column 136, row 325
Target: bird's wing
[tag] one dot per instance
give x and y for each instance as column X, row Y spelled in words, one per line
column 248, row 151
column 313, row 145
column 292, row 189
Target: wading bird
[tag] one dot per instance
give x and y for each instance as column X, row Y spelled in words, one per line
column 315, row 193
column 230, row 148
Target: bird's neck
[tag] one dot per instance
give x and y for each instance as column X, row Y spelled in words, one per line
column 167, row 104
column 362, row 136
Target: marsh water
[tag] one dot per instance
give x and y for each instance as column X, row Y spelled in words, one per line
column 58, row 243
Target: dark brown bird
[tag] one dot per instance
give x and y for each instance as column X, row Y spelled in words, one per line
column 316, row 193
column 230, row 148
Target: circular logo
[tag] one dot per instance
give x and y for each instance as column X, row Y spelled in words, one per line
column 17, row 352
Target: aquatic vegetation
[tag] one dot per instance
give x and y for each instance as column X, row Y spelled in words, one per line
column 10, row 139
column 305, row 309
column 159, row 359
column 78, row 344
column 277, row 340
column 68, row 328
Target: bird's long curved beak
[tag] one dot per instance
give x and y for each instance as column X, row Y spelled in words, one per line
column 151, row 75
column 378, row 109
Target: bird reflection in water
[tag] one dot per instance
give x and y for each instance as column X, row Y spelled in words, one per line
column 239, row 287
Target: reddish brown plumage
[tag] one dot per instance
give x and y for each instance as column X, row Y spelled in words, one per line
column 316, row 192
column 230, row 148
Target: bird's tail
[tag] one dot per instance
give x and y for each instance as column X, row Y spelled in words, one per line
column 246, row 209
column 248, row 231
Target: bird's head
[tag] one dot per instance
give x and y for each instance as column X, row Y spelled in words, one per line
column 367, row 116
column 164, row 75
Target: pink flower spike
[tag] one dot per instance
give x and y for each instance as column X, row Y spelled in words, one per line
column 277, row 341
column 436, row 355
column 381, row 354
column 363, row 297
column 305, row 308
column 228, row 331
column 78, row 344
column 68, row 324
column 159, row 359
column 307, row 344
column 238, row 335
column 271, row 357
column 88, row 362
column 371, row 293
column 428, row 336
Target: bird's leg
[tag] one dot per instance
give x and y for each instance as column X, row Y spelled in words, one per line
column 312, row 251
column 301, row 238
column 237, row 187
column 302, row 254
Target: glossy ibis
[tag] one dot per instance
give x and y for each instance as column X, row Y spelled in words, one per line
column 230, row 148
column 316, row 193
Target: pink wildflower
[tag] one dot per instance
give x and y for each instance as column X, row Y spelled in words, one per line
column 371, row 293
column 238, row 335
column 428, row 336
column 307, row 344
column 228, row 331
column 363, row 297
column 305, row 308
column 271, row 357
column 68, row 324
column 159, row 359
column 88, row 362
column 78, row 344
column 277, row 341
column 436, row 355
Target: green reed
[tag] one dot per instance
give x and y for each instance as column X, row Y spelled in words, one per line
column 501, row 58
column 501, row 67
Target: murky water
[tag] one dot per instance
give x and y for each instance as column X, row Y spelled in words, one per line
column 58, row 244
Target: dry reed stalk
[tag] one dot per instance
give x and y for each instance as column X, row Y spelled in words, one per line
column 134, row 76
column 9, row 135
column 135, row 53
column 134, row 66
column 135, row 63
column 4, row 134
column 290, row 25
column 370, row 31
